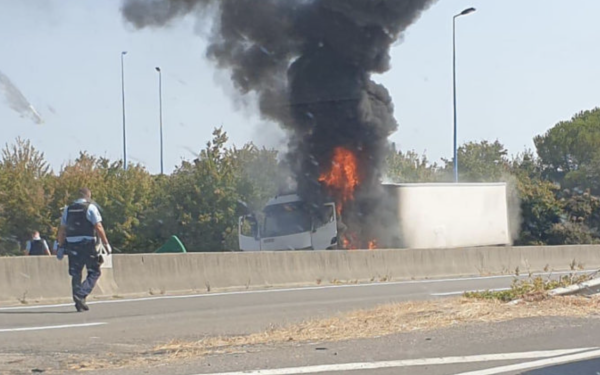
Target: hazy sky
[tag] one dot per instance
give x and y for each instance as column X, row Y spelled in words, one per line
column 523, row 65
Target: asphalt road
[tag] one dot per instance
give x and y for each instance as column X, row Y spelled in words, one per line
column 538, row 346
column 473, row 350
column 36, row 337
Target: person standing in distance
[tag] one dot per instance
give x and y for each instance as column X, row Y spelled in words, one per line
column 37, row 246
column 80, row 223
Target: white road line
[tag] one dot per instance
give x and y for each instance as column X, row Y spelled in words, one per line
column 468, row 291
column 534, row 364
column 4, row 330
column 406, row 363
column 284, row 290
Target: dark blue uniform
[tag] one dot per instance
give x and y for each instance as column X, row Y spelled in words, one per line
column 81, row 249
column 37, row 247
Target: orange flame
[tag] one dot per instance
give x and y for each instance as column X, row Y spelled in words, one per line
column 342, row 178
column 350, row 241
column 345, row 242
column 372, row 244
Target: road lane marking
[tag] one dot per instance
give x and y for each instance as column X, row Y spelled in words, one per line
column 535, row 364
column 468, row 291
column 284, row 290
column 407, row 363
column 21, row 329
column 33, row 307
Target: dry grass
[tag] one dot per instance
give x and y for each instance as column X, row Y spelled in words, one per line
column 390, row 319
column 380, row 321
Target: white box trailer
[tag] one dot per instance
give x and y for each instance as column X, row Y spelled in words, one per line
column 448, row 215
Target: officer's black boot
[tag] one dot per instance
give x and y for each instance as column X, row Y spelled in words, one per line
column 80, row 304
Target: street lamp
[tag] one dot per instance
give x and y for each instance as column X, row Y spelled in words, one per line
column 463, row 13
column 160, row 116
column 123, row 97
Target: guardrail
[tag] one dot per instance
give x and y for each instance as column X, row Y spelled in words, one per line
column 33, row 279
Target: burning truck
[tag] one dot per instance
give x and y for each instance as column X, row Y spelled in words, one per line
column 287, row 224
column 290, row 222
column 418, row 216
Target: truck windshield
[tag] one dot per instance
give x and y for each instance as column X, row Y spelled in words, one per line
column 286, row 219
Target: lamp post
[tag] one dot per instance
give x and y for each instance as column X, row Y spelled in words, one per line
column 160, row 118
column 123, row 97
column 463, row 13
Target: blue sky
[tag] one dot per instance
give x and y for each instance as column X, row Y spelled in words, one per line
column 522, row 67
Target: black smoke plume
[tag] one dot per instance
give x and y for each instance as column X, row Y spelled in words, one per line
column 310, row 63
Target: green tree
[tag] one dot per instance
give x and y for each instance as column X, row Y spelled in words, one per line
column 570, row 233
column 525, row 165
column 122, row 196
column 569, row 145
column 200, row 206
column 83, row 172
column 126, row 195
column 407, row 167
column 25, row 193
column 585, row 178
column 540, row 210
column 580, row 221
column 480, row 162
column 257, row 174
column 569, row 155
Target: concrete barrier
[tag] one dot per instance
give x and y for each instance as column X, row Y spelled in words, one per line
column 32, row 279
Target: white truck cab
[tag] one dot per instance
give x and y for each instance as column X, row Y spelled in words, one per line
column 289, row 225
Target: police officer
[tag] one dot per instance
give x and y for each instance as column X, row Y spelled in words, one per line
column 37, row 246
column 80, row 223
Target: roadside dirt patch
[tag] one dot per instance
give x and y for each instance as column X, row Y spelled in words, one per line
column 380, row 321
column 391, row 319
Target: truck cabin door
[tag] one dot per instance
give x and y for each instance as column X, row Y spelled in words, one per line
column 249, row 234
column 324, row 231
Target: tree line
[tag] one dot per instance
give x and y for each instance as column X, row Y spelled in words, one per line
column 557, row 189
column 199, row 202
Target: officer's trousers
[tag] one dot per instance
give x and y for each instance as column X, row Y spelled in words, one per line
column 83, row 254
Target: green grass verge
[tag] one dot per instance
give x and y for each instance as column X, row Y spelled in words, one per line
column 532, row 288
